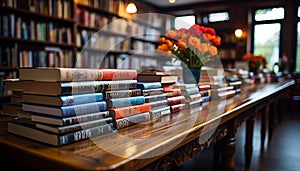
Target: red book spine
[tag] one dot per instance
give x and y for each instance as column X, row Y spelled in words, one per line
column 119, row 74
column 178, row 107
column 129, row 111
column 176, row 100
column 204, row 87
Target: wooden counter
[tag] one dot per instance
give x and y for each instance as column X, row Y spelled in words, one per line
column 156, row 145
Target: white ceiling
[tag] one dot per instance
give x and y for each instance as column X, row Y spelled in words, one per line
column 166, row 4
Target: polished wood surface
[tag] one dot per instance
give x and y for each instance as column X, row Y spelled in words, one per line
column 138, row 147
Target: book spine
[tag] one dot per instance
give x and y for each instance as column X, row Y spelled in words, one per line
column 117, row 113
column 84, row 125
column 154, row 98
column 84, row 134
column 132, row 120
column 174, row 92
column 158, row 113
column 85, row 118
column 80, row 74
column 149, row 85
column 205, row 99
column 151, row 92
column 190, row 91
column 205, row 93
column 158, row 104
column 193, row 97
column 178, row 108
column 81, row 99
column 175, row 100
column 122, row 94
column 81, row 109
column 83, row 87
column 112, row 74
column 122, row 102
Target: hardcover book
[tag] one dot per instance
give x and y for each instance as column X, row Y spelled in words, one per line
column 149, row 85
column 27, row 128
column 162, row 77
column 122, row 93
column 151, row 92
column 69, row 120
column 60, row 74
column 74, row 127
column 132, row 120
column 176, row 100
column 122, row 102
column 122, row 112
column 154, row 98
column 75, row 74
column 82, row 87
column 158, row 113
column 66, row 111
column 69, row 100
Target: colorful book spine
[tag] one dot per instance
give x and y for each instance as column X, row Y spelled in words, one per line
column 96, row 86
column 74, row 127
column 151, row 92
column 205, row 99
column 81, row 99
column 176, row 100
column 119, row 74
column 132, row 120
column 154, row 98
column 122, row 93
column 85, row 134
column 178, row 108
column 122, row 112
column 158, row 113
column 190, row 91
column 81, row 109
column 159, row 104
column 149, row 85
column 193, row 97
column 173, row 92
column 122, row 102
column 205, row 93
column 70, row 120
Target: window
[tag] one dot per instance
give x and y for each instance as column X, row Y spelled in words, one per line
column 267, row 30
column 215, row 17
column 269, row 14
column 184, row 21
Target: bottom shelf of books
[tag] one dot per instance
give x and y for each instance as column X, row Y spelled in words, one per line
column 74, row 105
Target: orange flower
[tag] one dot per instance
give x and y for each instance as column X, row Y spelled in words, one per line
column 181, row 45
column 213, row 50
column 171, row 33
column 162, row 40
column 194, row 41
column 162, row 47
column 202, row 48
column 169, row 44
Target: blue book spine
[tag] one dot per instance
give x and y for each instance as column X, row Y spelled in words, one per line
column 81, row 109
column 149, row 85
column 205, row 98
column 122, row 102
column 81, row 99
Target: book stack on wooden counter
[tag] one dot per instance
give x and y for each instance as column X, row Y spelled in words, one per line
column 175, row 100
column 191, row 93
column 67, row 104
column 155, row 96
column 205, row 91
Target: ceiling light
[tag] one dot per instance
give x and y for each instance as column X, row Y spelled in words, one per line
column 172, row 1
column 131, row 8
column 238, row 33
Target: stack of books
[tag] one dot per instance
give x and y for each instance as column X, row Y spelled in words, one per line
column 67, row 104
column 155, row 96
column 205, row 91
column 191, row 93
column 127, row 106
column 13, row 107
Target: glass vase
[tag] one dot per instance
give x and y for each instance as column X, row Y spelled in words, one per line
column 191, row 75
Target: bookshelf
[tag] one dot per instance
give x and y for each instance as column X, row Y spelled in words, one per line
column 228, row 48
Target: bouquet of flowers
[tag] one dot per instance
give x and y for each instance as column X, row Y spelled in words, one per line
column 194, row 46
column 255, row 62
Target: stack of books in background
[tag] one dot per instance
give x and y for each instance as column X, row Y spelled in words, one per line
column 205, row 91
column 67, row 105
column 13, row 88
column 155, row 96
